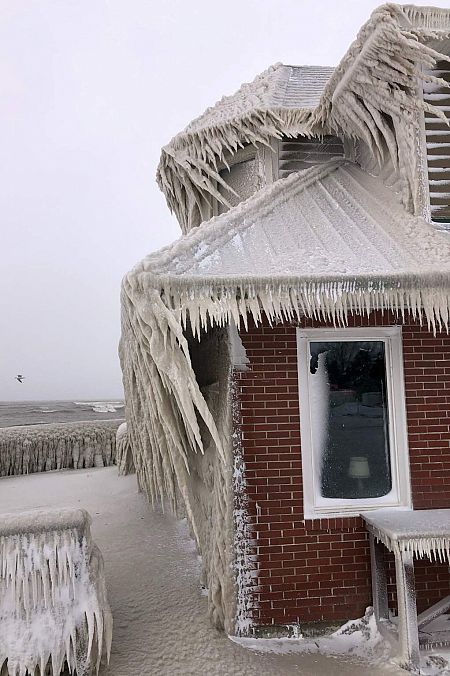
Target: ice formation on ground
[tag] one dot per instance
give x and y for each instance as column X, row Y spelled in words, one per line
column 124, row 456
column 53, row 604
column 40, row 448
column 161, row 627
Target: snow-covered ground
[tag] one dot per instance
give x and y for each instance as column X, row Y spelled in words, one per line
column 160, row 616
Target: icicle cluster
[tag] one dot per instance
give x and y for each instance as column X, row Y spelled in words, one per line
column 40, row 448
column 373, row 96
column 124, row 457
column 432, row 548
column 188, row 171
column 53, row 604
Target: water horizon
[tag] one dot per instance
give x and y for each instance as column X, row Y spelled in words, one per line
column 45, row 411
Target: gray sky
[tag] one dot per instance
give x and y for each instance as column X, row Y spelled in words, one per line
column 89, row 92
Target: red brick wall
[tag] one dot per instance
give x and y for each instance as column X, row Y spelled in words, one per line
column 320, row 569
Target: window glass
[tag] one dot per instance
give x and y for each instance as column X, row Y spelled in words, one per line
column 350, row 418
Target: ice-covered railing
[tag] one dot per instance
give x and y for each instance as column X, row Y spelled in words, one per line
column 53, row 603
column 40, row 448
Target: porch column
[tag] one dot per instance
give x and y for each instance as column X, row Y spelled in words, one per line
column 407, row 612
column 379, row 581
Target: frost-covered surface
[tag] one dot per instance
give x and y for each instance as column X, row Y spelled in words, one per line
column 161, row 626
column 371, row 96
column 359, row 639
column 40, row 448
column 124, row 456
column 278, row 101
column 53, row 604
column 245, row 559
column 424, row 533
column 295, row 248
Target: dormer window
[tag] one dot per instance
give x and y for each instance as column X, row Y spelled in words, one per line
column 437, row 135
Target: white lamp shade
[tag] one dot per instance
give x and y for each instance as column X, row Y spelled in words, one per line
column 359, row 467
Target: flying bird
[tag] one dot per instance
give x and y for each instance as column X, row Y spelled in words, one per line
column 19, row 378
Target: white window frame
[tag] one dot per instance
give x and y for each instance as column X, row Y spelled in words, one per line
column 315, row 505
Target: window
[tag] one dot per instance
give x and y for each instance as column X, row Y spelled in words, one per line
column 353, row 422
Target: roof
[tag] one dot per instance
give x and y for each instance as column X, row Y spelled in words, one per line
column 376, row 80
column 329, row 239
column 313, row 224
column 280, row 86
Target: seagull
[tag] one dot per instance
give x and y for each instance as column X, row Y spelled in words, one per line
column 19, row 378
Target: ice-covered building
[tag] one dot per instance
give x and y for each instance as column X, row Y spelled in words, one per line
column 286, row 361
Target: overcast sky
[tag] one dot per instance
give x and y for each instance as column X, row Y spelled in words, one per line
column 89, row 92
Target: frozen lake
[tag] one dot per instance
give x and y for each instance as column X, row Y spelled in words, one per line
column 161, row 626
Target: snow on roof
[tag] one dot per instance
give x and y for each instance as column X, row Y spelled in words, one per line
column 371, row 95
column 295, row 247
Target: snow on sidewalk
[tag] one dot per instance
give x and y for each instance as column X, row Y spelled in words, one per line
column 152, row 571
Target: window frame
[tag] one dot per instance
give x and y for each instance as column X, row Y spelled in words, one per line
column 316, row 506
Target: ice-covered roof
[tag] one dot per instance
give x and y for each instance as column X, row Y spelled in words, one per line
column 332, row 222
column 298, row 87
column 371, row 95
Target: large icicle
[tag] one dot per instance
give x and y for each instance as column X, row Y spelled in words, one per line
column 53, row 604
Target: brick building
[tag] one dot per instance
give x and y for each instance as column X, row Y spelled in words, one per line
column 286, row 360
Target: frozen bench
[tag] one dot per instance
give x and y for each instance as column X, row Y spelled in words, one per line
column 53, row 604
column 424, row 533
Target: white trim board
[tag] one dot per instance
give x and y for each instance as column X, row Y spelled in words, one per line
column 316, row 506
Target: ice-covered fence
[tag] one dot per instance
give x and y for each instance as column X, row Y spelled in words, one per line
column 53, row 603
column 40, row 448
